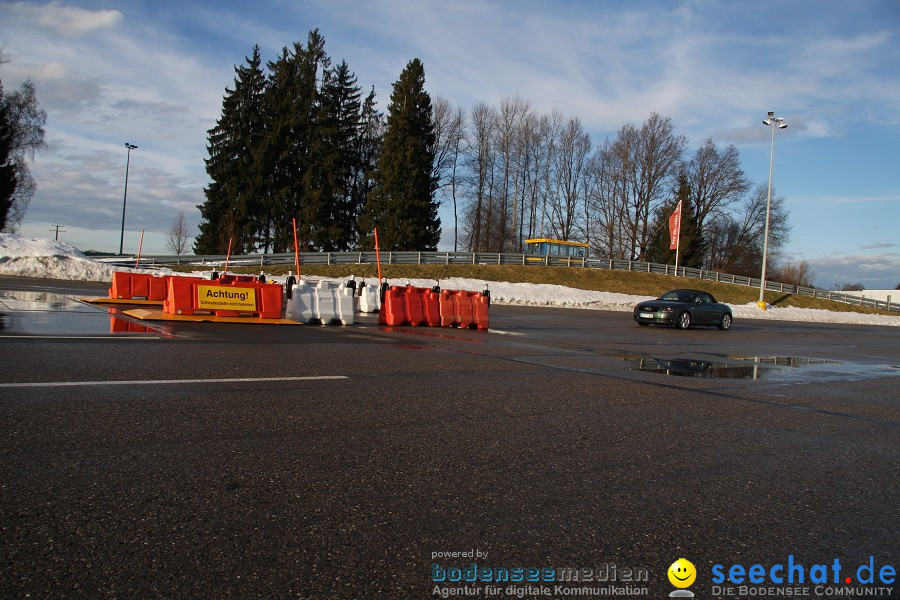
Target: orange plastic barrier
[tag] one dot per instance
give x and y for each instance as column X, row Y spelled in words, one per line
column 406, row 305
column 138, row 285
column 481, row 303
column 426, row 307
column 464, row 309
column 224, row 297
column 229, row 279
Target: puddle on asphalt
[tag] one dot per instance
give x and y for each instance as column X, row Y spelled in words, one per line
column 758, row 367
column 45, row 314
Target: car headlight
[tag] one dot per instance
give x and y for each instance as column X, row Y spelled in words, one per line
column 667, row 309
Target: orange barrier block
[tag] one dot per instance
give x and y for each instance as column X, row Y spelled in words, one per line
column 480, row 304
column 431, row 305
column 410, row 306
column 188, row 296
column 229, row 279
column 447, row 312
column 127, row 285
column 392, row 311
column 414, row 311
column 464, row 309
column 423, row 306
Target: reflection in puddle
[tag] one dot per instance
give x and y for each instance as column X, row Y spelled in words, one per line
column 46, row 314
column 121, row 325
column 757, row 367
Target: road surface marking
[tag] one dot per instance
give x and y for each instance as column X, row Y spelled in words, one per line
column 169, row 381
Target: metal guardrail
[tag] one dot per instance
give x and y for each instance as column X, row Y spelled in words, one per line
column 492, row 258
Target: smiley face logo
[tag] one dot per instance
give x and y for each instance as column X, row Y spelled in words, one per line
column 682, row 573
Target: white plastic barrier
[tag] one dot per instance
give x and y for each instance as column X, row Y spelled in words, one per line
column 369, row 299
column 335, row 302
column 326, row 303
column 302, row 304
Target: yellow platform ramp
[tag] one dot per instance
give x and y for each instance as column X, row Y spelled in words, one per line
column 158, row 315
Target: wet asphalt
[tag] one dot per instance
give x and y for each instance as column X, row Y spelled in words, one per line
column 542, row 443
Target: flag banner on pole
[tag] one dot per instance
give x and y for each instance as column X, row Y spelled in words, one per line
column 675, row 227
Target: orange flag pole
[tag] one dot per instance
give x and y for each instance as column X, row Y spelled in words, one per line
column 140, row 245
column 296, row 250
column 227, row 256
column 377, row 257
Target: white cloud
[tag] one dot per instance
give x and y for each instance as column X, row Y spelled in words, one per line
column 874, row 271
column 157, row 78
column 66, row 20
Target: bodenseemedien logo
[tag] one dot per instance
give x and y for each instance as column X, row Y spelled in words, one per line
column 682, row 574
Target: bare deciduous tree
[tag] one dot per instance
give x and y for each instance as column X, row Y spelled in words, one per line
column 653, row 169
column 449, row 133
column 607, row 199
column 794, row 273
column 513, row 113
column 716, row 180
column 631, row 176
column 480, row 163
column 571, row 167
column 852, row 287
column 22, row 123
column 178, row 234
column 736, row 239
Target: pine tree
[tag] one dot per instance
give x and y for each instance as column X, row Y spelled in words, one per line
column 328, row 185
column 402, row 205
column 232, row 203
column 295, row 142
column 291, row 105
column 691, row 248
column 368, row 142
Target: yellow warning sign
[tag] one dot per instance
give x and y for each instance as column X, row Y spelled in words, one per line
column 218, row 297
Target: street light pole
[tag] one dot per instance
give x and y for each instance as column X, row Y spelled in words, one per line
column 125, row 197
column 775, row 123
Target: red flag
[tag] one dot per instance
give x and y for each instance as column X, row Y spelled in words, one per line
column 675, row 227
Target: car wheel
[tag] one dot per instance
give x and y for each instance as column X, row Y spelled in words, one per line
column 683, row 321
column 725, row 323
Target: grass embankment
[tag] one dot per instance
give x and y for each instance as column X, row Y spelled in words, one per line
column 598, row 280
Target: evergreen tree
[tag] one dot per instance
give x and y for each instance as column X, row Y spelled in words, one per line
column 691, row 248
column 292, row 142
column 402, row 205
column 232, row 205
column 368, row 142
column 329, row 180
column 290, row 112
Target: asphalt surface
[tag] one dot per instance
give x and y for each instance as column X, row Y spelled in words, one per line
column 198, row 460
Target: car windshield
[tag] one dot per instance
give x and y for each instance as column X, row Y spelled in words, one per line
column 678, row 296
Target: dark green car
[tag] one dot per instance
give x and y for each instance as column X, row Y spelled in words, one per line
column 683, row 309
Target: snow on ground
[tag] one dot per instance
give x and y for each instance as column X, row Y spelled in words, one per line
column 32, row 257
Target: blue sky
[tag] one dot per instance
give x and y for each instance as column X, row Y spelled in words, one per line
column 153, row 73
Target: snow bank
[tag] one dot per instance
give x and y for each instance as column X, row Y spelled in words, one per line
column 33, row 257
column 15, row 246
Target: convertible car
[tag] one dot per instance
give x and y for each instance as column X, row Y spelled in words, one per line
column 682, row 309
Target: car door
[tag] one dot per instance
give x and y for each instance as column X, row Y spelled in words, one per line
column 705, row 311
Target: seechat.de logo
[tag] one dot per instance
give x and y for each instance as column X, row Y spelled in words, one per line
column 682, row 574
